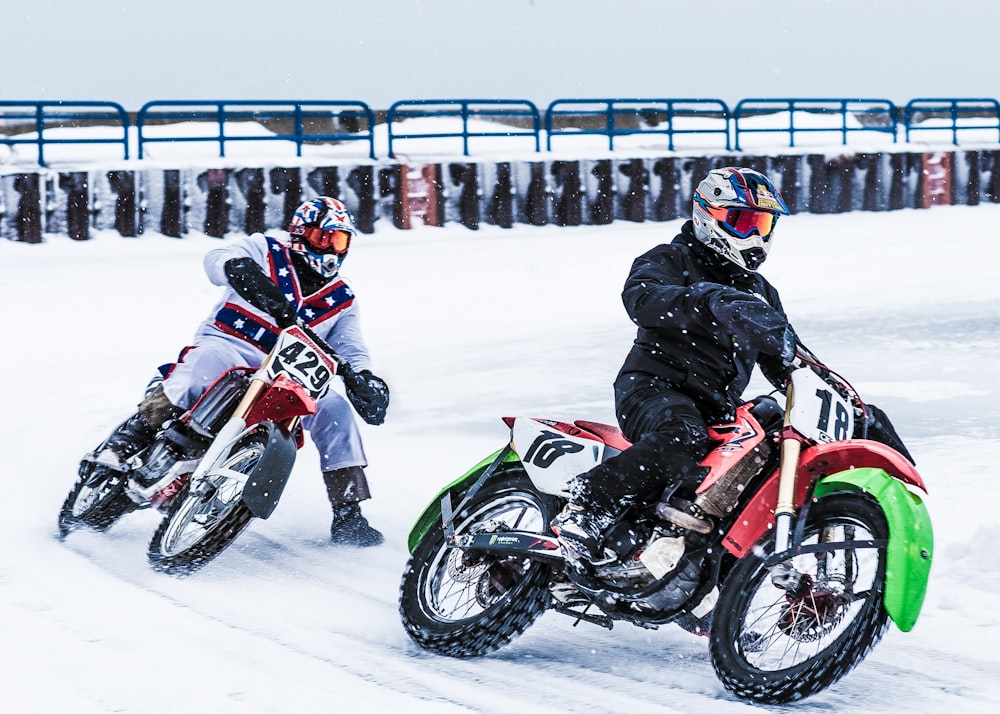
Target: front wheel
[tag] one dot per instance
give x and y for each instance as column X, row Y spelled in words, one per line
column 463, row 604
column 204, row 518
column 773, row 646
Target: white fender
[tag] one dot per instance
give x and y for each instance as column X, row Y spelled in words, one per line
column 551, row 456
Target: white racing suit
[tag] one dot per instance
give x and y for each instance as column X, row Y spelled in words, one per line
column 238, row 334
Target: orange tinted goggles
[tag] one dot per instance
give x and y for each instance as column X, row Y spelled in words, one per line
column 328, row 239
column 744, row 223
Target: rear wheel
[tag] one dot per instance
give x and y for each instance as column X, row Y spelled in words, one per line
column 465, row 604
column 96, row 501
column 773, row 646
column 207, row 516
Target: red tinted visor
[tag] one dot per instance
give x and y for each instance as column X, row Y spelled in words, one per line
column 744, row 222
column 329, row 240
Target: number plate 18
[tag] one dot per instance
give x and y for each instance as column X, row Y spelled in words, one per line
column 818, row 411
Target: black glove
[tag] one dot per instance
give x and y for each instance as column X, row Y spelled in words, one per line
column 754, row 322
column 285, row 315
column 247, row 279
column 367, row 393
column 880, row 428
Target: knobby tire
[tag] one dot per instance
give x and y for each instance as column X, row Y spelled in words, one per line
column 108, row 506
column 791, row 652
column 503, row 596
column 218, row 536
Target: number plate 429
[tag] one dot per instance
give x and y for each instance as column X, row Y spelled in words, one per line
column 296, row 356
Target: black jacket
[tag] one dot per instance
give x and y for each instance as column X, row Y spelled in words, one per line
column 679, row 339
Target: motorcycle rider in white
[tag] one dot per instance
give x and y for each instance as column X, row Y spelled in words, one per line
column 270, row 283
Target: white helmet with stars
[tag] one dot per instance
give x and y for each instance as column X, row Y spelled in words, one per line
column 322, row 229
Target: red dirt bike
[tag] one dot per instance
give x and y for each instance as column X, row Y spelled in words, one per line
column 222, row 463
column 806, row 536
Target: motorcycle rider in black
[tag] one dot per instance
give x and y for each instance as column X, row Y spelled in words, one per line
column 705, row 317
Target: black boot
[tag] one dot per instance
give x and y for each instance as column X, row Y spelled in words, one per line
column 582, row 530
column 139, row 430
column 581, row 525
column 131, row 437
column 349, row 527
column 346, row 488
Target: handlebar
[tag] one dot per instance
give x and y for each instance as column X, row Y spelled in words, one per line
column 343, row 366
column 832, row 378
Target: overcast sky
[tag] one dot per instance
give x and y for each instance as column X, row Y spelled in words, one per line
column 380, row 51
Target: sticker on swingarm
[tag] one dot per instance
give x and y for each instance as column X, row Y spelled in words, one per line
column 511, row 543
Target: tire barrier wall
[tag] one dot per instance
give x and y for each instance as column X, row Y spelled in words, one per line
column 221, row 201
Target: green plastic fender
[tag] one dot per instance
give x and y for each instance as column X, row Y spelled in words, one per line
column 911, row 538
column 433, row 511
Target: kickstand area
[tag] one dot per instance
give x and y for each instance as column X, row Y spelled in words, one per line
column 582, row 615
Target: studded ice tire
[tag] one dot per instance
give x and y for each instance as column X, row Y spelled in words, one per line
column 204, row 519
column 467, row 605
column 96, row 501
column 772, row 647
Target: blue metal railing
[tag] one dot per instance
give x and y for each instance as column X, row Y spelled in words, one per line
column 320, row 121
column 49, row 115
column 498, row 110
column 881, row 116
column 226, row 114
column 624, row 117
column 961, row 114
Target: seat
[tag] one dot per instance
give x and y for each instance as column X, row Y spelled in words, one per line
column 611, row 435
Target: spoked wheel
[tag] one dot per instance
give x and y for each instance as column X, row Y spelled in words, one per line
column 465, row 604
column 773, row 646
column 207, row 516
column 96, row 501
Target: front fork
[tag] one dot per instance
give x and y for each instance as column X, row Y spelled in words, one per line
column 908, row 554
column 783, row 575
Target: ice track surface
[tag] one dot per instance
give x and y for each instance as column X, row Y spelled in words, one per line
column 466, row 327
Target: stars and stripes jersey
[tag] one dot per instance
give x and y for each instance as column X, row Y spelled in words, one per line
column 331, row 311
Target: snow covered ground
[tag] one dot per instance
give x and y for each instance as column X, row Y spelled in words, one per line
column 466, row 327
